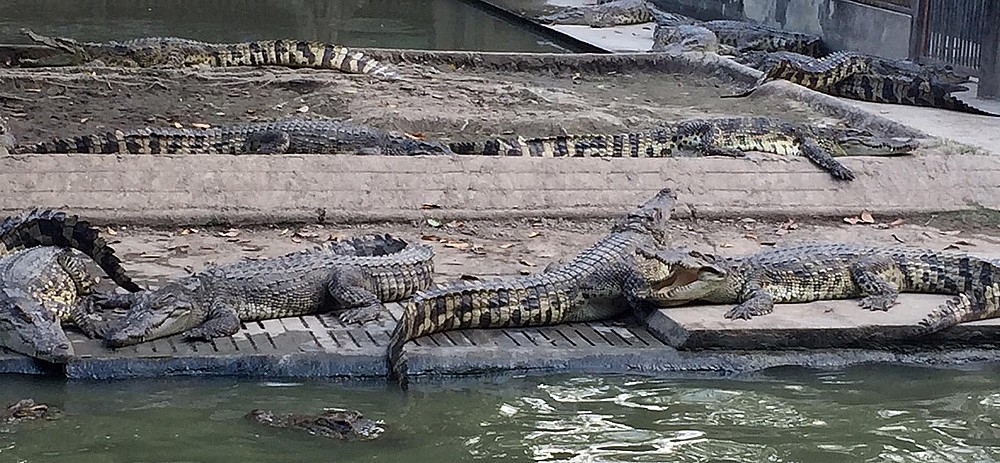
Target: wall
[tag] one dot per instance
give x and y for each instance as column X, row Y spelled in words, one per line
column 843, row 24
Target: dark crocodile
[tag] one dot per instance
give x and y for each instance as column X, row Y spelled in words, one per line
column 333, row 423
column 609, row 13
column 25, row 410
column 598, row 283
column 864, row 77
column 44, row 282
column 213, row 302
column 178, row 52
column 814, row 272
column 679, row 38
column 746, row 36
column 725, row 136
column 299, row 136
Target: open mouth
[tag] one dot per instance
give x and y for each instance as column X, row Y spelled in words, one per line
column 677, row 280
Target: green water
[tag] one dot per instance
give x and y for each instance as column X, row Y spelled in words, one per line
column 422, row 24
column 863, row 414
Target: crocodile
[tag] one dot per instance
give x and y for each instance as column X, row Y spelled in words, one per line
column 725, row 136
column 598, row 283
column 291, row 135
column 147, row 52
column 334, row 423
column 212, row 303
column 681, row 38
column 744, row 36
column 823, row 271
column 610, row 13
column 25, row 410
column 44, row 282
column 864, row 77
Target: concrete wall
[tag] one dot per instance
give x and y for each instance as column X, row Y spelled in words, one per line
column 843, row 24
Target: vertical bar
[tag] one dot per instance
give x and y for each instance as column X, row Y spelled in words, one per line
column 918, row 29
column 989, row 61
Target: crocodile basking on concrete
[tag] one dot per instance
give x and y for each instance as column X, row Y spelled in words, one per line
column 355, row 277
column 812, row 272
column 725, row 136
column 744, row 36
column 44, row 282
column 867, row 78
column 298, row 136
column 610, row 13
column 333, row 423
column 179, row 52
column 600, row 282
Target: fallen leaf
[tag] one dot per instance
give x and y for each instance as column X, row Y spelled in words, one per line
column 768, row 243
column 199, row 125
column 149, row 255
column 951, row 232
column 852, row 220
column 950, row 246
column 897, row 222
column 457, row 245
column 178, row 125
column 964, row 243
column 434, row 223
column 230, row 233
column 781, row 232
column 478, row 250
column 302, row 234
column 725, row 245
column 534, row 234
column 84, row 120
column 750, row 236
column 336, row 237
column 455, row 224
column 524, row 272
column 429, row 206
column 296, row 239
column 506, row 246
column 431, row 238
column 283, row 232
column 866, row 217
column 468, row 277
column 545, row 255
column 253, row 248
column 303, row 109
column 416, row 135
column 185, row 231
column 112, row 231
column 525, row 262
column 897, row 238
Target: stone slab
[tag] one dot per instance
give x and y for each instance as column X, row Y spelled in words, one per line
column 814, row 325
column 199, row 189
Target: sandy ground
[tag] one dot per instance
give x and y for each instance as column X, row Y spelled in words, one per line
column 484, row 249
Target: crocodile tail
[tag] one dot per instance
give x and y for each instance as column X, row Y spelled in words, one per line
column 54, row 228
column 99, row 143
column 365, row 246
column 301, row 53
column 396, row 358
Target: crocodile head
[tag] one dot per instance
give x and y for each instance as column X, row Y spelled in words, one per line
column 30, row 328
column 23, row 410
column 170, row 309
column 333, row 423
column 679, row 276
column 850, row 142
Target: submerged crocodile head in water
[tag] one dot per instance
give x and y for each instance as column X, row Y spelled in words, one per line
column 171, row 309
column 333, row 423
column 23, row 410
column 30, row 328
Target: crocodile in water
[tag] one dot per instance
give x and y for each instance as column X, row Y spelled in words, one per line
column 598, row 283
column 298, row 136
column 333, row 423
column 812, row 272
column 25, row 410
column 44, row 282
column 726, row 136
column 358, row 275
column 178, row 52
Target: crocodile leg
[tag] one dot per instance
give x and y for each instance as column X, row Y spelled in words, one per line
column 84, row 317
column 348, row 288
column 756, row 301
column 268, row 142
column 115, row 300
column 821, row 157
column 223, row 321
column 870, row 276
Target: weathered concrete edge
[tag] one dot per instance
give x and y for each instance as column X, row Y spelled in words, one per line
column 430, row 361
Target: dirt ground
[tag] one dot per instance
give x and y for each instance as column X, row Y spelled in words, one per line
column 443, row 103
column 483, row 249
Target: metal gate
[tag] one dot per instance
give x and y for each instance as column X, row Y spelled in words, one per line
column 951, row 31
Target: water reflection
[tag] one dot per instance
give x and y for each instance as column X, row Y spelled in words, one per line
column 423, row 24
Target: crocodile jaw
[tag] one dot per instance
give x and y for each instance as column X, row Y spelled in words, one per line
column 44, row 341
column 156, row 314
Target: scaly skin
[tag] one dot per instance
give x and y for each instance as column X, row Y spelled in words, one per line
column 298, row 136
column 178, row 52
column 814, row 272
column 213, row 302
column 598, row 283
column 24, row 410
column 947, row 77
column 44, row 282
column 864, row 77
column 726, row 136
column 331, row 423
column 605, row 14
column 745, row 36
column 680, row 38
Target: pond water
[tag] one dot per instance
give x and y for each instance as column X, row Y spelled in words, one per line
column 791, row 415
column 421, row 24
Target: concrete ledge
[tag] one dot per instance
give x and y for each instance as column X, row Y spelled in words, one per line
column 199, row 189
column 815, row 325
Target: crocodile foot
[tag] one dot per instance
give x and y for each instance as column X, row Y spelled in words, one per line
column 749, row 309
column 361, row 315
column 878, row 302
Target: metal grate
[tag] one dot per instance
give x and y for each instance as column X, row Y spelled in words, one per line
column 951, row 31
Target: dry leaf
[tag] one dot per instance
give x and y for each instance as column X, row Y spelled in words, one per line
column 781, row 232
column 897, row 238
column 230, row 233
column 199, row 125
column 283, row 232
column 524, row 262
column 725, row 245
column 478, row 250
column 852, row 220
column 468, row 277
column 455, row 224
column 897, row 222
column 750, row 236
column 951, row 232
column 303, row 109
column 950, row 247
column 524, row 272
column 506, row 246
column 149, row 255
column 434, row 223
column 178, row 125
column 296, row 239
column 431, row 238
column 84, row 120
column 457, row 245
column 111, row 231
column 185, row 231
column 534, row 234
column 964, row 243
column 429, row 206
column 866, row 217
